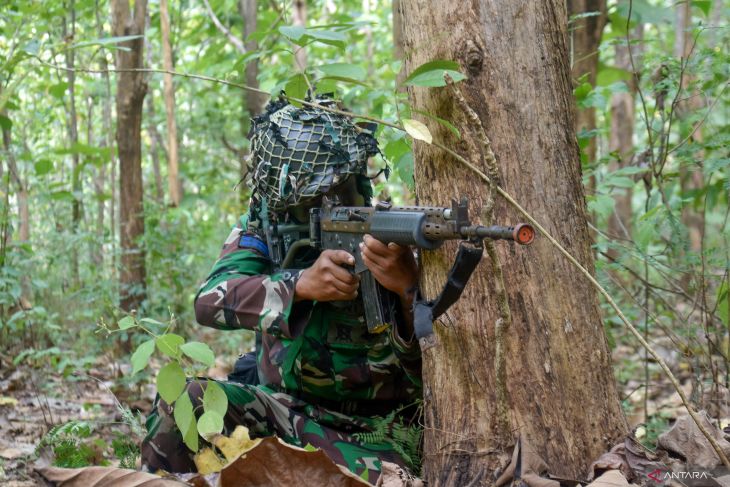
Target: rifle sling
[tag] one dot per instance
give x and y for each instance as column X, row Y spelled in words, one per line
column 424, row 312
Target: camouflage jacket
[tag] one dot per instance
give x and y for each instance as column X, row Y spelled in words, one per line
column 314, row 348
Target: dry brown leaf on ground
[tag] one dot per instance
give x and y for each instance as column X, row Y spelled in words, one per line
column 392, row 475
column 686, row 440
column 103, row 476
column 273, row 462
column 610, row 478
column 641, row 461
column 528, row 466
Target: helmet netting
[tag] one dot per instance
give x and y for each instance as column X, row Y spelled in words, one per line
column 301, row 153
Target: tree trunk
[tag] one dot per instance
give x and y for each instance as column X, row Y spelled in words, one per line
column 253, row 102
column 299, row 17
column 621, row 144
column 691, row 178
column 585, row 37
column 73, row 136
column 155, row 145
column 173, row 178
column 562, row 396
column 96, row 247
column 131, row 89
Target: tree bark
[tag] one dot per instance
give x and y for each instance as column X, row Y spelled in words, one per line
column 585, row 37
column 73, row 136
column 131, row 90
column 299, row 17
column 562, row 396
column 173, row 177
column 253, row 102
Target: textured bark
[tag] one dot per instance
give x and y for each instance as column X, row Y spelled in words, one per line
column 131, row 90
column 562, row 394
column 299, row 17
column 585, row 37
column 621, row 144
column 173, row 177
column 253, row 102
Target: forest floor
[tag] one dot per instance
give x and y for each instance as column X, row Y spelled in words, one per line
column 34, row 400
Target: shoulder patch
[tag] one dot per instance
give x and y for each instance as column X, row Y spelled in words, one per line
column 250, row 241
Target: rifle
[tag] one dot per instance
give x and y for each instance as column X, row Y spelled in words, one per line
column 425, row 227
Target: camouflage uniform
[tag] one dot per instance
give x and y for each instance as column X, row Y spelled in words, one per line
column 323, row 376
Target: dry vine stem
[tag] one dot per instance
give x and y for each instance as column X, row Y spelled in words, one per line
column 501, row 192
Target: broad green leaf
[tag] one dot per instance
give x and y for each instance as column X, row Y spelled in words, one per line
column 126, row 323
column 293, row 32
column 608, row 75
column 151, row 321
column 723, row 301
column 210, row 424
column 169, row 344
column 296, row 87
column 43, row 166
column 434, row 78
column 58, row 90
column 141, row 356
column 346, row 80
column 417, row 130
column 182, row 411
column 62, row 195
column 329, row 37
column 200, row 352
column 171, row 382
column 441, row 65
column 344, row 70
column 441, row 121
column 215, row 399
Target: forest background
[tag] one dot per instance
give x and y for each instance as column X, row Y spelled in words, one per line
column 650, row 86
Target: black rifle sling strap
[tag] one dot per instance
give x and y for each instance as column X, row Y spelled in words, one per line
column 424, row 312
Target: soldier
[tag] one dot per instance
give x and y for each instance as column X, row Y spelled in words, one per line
column 323, row 380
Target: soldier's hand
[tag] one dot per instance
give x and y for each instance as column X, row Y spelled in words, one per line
column 327, row 279
column 393, row 266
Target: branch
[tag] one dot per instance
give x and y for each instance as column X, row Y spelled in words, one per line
column 233, row 39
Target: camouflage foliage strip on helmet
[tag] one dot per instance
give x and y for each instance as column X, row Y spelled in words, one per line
column 301, row 153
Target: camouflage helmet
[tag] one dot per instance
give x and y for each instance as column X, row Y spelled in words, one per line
column 298, row 154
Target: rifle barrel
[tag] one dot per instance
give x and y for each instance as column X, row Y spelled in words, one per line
column 522, row 233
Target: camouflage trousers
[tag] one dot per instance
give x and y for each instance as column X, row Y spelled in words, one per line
column 266, row 412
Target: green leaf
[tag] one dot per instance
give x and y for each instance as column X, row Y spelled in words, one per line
column 169, row 344
column 200, row 352
column 210, row 424
column 329, row 37
column 58, row 90
column 723, row 310
column 417, row 130
column 344, row 70
column 126, row 323
column 704, row 5
column 442, row 65
column 435, row 78
column 293, row 32
column 62, row 195
column 171, row 382
column 296, row 87
column 182, row 411
column 441, row 121
column 141, row 356
column 608, row 75
column 215, row 399
column 108, row 41
column 5, row 122
column 42, row 167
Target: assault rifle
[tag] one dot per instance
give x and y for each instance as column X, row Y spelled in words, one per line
column 425, row 227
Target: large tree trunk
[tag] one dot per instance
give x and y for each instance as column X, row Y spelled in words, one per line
column 173, row 178
column 131, row 89
column 562, row 396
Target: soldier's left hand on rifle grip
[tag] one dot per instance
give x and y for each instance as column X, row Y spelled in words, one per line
column 392, row 265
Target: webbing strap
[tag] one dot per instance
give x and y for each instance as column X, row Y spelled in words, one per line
column 424, row 312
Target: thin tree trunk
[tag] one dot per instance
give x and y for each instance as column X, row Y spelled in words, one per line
column 621, row 144
column 96, row 247
column 585, row 37
column 131, row 89
column 561, row 394
column 173, row 178
column 691, row 178
column 253, row 102
column 299, row 17
column 73, row 136
column 155, row 145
